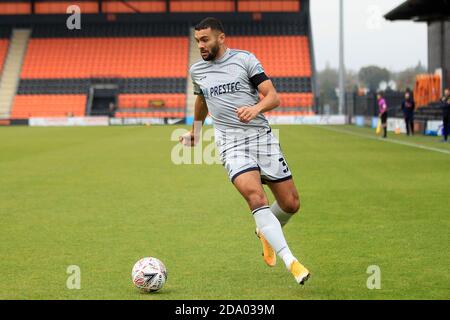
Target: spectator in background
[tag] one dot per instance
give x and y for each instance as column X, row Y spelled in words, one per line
column 112, row 109
column 382, row 113
column 408, row 107
column 446, row 113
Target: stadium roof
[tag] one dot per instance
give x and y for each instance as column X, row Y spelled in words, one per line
column 421, row 10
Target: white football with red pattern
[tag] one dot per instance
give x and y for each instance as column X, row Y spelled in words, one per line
column 149, row 274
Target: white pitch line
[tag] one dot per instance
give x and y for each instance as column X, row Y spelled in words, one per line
column 409, row 144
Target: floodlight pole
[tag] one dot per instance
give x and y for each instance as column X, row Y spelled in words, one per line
column 341, row 58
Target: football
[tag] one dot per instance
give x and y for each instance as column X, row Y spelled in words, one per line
column 149, row 274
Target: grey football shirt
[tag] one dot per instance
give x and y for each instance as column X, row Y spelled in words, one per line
column 225, row 84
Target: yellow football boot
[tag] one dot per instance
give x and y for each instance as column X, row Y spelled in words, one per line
column 270, row 258
column 300, row 273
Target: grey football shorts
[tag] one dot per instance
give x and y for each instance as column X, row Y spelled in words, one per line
column 252, row 150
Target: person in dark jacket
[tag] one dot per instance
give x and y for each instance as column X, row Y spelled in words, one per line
column 408, row 107
column 382, row 113
column 446, row 113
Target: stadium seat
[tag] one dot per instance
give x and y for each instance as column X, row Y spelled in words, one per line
column 291, row 100
column 427, row 89
column 145, row 100
column 269, row 6
column 14, row 7
column 202, row 6
column 3, row 51
column 38, row 105
column 106, row 57
column 60, row 7
column 281, row 56
column 141, row 6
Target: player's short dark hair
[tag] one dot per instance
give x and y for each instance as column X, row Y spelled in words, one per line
column 210, row 22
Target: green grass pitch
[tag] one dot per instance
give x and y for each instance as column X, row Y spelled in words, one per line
column 103, row 197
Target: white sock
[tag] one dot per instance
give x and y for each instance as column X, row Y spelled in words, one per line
column 270, row 227
column 282, row 216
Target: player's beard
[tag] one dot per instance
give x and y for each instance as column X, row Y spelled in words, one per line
column 213, row 52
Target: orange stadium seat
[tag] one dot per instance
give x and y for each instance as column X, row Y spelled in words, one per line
column 106, row 57
column 281, row 56
column 427, row 89
column 144, row 100
column 12, row 7
column 26, row 106
column 141, row 6
column 3, row 50
column 202, row 6
column 296, row 100
column 58, row 7
column 269, row 5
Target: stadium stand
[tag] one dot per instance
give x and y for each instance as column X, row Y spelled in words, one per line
column 427, row 89
column 15, row 7
column 44, row 105
column 3, row 49
column 4, row 43
column 58, row 7
column 151, row 6
column 268, row 6
column 143, row 57
column 147, row 62
column 202, row 6
column 141, row 6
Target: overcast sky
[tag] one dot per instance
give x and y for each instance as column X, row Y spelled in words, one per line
column 369, row 38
